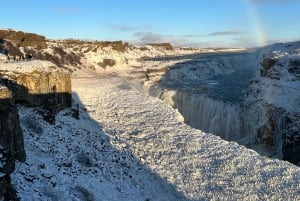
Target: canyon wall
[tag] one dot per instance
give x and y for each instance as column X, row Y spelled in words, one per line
column 265, row 119
column 33, row 84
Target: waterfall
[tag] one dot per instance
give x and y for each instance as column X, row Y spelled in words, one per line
column 204, row 113
column 213, row 116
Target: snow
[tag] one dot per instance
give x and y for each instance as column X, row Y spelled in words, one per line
column 276, row 91
column 130, row 146
column 28, row 66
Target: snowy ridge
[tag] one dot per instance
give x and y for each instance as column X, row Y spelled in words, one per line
column 129, row 146
column 28, row 67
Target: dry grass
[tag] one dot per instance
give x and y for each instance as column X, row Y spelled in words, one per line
column 21, row 39
column 119, row 46
column 60, row 57
column 166, row 46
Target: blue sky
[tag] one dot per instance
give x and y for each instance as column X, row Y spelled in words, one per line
column 201, row 23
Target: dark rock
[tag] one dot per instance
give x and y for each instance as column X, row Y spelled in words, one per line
column 294, row 68
column 266, row 65
column 266, row 133
column 75, row 112
column 291, row 139
column 10, row 131
column 107, row 62
column 85, row 160
column 8, row 193
column 50, row 90
column 11, row 143
column 33, row 125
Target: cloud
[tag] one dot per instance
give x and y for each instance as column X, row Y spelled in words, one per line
column 150, row 37
column 223, row 33
column 188, row 40
column 142, row 38
column 192, row 35
column 128, row 28
column 219, row 33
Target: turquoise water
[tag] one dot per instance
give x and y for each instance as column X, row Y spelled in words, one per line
column 229, row 87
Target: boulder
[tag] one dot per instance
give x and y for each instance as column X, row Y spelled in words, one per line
column 266, row 65
column 107, row 62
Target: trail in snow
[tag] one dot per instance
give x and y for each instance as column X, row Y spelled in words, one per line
column 130, row 146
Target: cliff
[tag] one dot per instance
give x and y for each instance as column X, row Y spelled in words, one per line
column 34, row 84
column 279, row 79
column 11, row 141
column 38, row 84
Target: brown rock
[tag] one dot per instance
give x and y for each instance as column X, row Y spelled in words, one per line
column 266, row 65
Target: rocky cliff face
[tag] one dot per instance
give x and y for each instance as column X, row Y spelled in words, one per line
column 34, row 84
column 280, row 75
column 11, row 142
column 45, row 87
column 268, row 117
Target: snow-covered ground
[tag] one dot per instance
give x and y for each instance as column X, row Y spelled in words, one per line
column 130, row 146
column 27, row 66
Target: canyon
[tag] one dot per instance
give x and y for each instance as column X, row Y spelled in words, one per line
column 82, row 113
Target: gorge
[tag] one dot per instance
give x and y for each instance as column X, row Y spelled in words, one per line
column 224, row 94
column 77, row 122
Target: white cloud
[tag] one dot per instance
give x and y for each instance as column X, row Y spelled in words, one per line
column 223, row 33
column 150, row 37
column 128, row 28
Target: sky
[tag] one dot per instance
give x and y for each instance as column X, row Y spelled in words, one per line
column 197, row 23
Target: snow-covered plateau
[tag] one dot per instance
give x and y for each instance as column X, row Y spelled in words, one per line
column 153, row 124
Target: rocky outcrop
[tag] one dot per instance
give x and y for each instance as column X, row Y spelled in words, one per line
column 37, row 87
column 291, row 139
column 278, row 89
column 107, row 62
column 266, row 66
column 294, row 68
column 48, row 88
column 34, row 84
column 22, row 39
column 281, row 133
column 11, row 142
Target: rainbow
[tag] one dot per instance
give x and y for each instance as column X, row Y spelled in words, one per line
column 257, row 24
